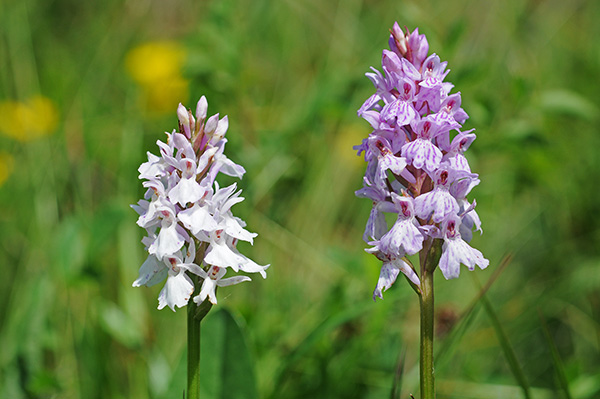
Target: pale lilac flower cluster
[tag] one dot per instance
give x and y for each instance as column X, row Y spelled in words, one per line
column 185, row 212
column 416, row 167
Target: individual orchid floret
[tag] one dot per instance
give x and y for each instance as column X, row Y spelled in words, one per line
column 184, row 208
column 390, row 268
column 211, row 125
column 404, row 237
column 401, row 111
column 434, row 71
column 183, row 147
column 456, row 251
column 438, row 203
column 398, row 42
column 152, row 272
column 470, row 220
column 459, row 145
column 376, row 225
column 222, row 252
column 171, row 238
column 451, row 111
column 167, row 151
column 149, row 211
column 223, row 164
column 213, row 279
column 154, row 168
column 383, row 86
column 422, row 153
column 198, row 219
column 179, row 286
column 187, row 190
column 233, row 226
column 177, row 290
column 387, row 160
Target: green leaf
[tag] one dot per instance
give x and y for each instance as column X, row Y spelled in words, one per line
column 69, row 248
column 225, row 364
column 119, row 325
column 175, row 377
column 326, row 326
column 569, row 103
column 507, row 348
column 559, row 368
column 448, row 345
column 468, row 315
column 398, row 376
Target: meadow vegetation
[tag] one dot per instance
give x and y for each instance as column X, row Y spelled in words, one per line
column 86, row 88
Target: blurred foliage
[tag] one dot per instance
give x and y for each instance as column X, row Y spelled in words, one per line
column 290, row 75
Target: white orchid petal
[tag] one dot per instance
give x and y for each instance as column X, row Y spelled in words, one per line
column 176, row 292
column 151, row 272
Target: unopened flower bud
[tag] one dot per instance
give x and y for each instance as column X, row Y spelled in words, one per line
column 399, row 39
column 186, row 120
column 221, row 129
column 211, row 124
column 201, row 109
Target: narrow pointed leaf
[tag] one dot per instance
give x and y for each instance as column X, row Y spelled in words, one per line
column 559, row 368
column 226, row 367
column 507, row 348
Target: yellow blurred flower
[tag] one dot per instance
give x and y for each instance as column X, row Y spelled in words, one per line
column 163, row 96
column 6, row 166
column 25, row 121
column 155, row 61
column 156, row 67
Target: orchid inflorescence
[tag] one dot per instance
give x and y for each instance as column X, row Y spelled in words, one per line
column 187, row 215
column 416, row 167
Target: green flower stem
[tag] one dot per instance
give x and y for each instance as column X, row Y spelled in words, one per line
column 195, row 314
column 193, row 366
column 428, row 262
column 426, row 365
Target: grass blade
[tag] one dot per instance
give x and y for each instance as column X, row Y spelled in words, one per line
column 507, row 348
column 326, row 326
column 468, row 315
column 561, row 376
column 397, row 385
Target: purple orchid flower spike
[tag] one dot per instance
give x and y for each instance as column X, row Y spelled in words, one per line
column 416, row 164
column 417, row 169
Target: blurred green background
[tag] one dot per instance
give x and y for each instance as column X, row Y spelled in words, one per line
column 86, row 88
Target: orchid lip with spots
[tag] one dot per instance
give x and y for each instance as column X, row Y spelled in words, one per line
column 416, row 166
column 184, row 209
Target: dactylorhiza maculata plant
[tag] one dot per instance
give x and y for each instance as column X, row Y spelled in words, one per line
column 417, row 170
column 191, row 232
column 184, row 210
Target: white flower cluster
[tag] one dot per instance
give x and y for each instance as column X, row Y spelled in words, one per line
column 184, row 208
